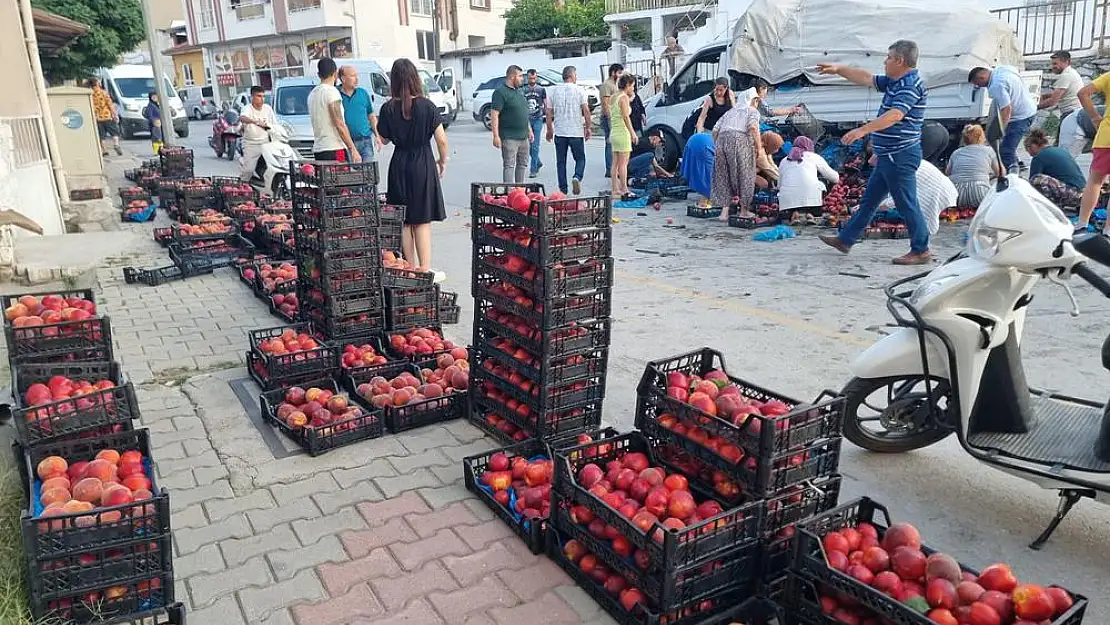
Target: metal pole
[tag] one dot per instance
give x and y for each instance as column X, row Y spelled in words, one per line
column 168, row 136
column 47, row 121
column 435, row 34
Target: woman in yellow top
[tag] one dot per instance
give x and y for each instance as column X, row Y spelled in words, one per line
column 1100, row 151
column 621, row 134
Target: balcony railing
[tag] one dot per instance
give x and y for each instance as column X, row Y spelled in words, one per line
column 1045, row 26
column 249, row 9
column 626, row 6
column 303, row 5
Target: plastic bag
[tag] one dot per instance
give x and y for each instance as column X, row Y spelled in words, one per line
column 775, row 234
column 143, row 216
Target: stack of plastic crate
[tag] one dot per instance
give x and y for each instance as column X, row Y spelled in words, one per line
column 335, row 212
column 542, row 285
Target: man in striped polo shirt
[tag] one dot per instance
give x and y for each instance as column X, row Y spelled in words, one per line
column 896, row 139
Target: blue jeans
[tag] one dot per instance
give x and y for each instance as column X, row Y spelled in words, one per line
column 640, row 166
column 365, row 148
column 608, row 148
column 537, row 137
column 577, row 146
column 896, row 175
column 1015, row 130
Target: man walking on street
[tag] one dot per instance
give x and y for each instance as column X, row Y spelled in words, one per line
column 257, row 119
column 568, row 123
column 1016, row 107
column 331, row 140
column 107, row 118
column 511, row 130
column 607, row 91
column 535, row 95
column 896, row 139
column 358, row 112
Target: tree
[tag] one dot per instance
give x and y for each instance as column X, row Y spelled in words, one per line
column 532, row 20
column 115, row 27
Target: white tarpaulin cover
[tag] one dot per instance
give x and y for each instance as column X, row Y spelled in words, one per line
column 778, row 40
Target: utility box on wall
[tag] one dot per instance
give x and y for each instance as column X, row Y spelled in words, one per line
column 71, row 112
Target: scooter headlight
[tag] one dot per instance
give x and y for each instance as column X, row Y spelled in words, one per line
column 985, row 241
column 928, row 289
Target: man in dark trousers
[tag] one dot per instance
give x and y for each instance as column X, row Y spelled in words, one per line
column 512, row 133
column 535, row 95
column 896, row 139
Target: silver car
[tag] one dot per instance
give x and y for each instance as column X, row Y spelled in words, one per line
column 199, row 102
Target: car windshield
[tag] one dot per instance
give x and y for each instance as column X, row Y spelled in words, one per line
column 139, row 87
column 551, row 75
column 293, row 100
column 430, row 84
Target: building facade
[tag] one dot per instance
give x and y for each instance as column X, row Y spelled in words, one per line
column 257, row 42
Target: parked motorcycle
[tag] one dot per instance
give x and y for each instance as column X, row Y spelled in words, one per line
column 271, row 175
column 954, row 366
column 225, row 135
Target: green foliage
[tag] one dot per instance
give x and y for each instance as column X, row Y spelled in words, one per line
column 115, row 27
column 532, row 20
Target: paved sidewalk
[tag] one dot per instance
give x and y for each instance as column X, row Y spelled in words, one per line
column 379, row 532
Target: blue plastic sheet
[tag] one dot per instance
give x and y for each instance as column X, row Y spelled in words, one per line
column 143, row 216
column 639, row 202
column 775, row 234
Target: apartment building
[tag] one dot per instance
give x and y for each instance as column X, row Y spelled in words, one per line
column 257, row 42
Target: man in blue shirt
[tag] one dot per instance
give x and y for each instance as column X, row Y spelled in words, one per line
column 358, row 112
column 1016, row 107
column 896, row 140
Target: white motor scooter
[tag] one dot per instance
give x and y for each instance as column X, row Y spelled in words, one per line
column 955, row 363
column 271, row 175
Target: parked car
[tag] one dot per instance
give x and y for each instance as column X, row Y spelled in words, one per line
column 483, row 94
column 130, row 86
column 199, row 102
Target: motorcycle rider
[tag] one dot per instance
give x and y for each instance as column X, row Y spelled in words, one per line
column 256, row 120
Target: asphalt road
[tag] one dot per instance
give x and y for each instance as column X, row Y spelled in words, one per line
column 791, row 315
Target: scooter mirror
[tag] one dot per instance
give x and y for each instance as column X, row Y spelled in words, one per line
column 1093, row 246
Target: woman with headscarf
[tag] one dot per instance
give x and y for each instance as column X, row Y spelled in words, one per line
column 738, row 147
column 716, row 105
column 800, row 187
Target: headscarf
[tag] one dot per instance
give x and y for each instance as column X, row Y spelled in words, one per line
column 801, row 146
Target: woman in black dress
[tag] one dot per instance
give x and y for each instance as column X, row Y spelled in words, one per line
column 409, row 121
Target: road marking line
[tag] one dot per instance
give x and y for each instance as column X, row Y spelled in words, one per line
column 762, row 313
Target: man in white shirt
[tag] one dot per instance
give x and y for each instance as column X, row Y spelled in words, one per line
column 331, row 139
column 1065, row 90
column 1016, row 107
column 256, row 119
column 935, row 192
column 568, row 123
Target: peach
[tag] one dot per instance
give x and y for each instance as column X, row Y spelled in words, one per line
column 137, row 482
column 52, row 466
column 110, row 455
column 116, row 496
column 78, row 471
column 142, row 494
column 88, row 490
column 56, row 482
column 131, row 456
column 73, row 506
column 313, row 394
column 53, row 510
column 54, row 495
column 128, row 469
column 100, row 469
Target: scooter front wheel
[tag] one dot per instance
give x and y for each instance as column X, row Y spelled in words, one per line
column 893, row 415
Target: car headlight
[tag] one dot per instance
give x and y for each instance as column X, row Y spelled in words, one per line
column 129, row 106
column 985, row 241
column 929, row 289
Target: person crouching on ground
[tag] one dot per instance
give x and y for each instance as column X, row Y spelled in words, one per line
column 800, row 187
column 1054, row 172
column 896, row 138
column 738, row 149
column 973, row 167
column 767, row 171
column 647, row 155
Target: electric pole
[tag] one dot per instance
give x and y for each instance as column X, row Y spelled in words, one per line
column 435, row 34
column 168, row 136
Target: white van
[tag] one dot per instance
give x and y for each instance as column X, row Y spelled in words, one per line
column 130, row 86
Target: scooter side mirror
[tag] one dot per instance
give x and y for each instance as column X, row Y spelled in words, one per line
column 1093, row 246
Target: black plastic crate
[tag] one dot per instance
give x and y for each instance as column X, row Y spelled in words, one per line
column 553, row 396
column 228, row 199
column 98, row 567
column 218, row 252
column 752, row 222
column 421, row 311
column 68, row 341
column 66, row 417
column 541, row 250
column 130, row 596
column 703, row 212
column 760, row 435
column 530, row 530
column 229, row 229
column 163, row 236
column 489, row 421
column 543, row 425
column 9, row 299
column 282, row 369
column 544, row 217
column 335, row 174
column 449, row 315
column 575, row 338
column 358, row 238
column 172, row 615
column 436, row 410
column 130, row 194
column 167, row 193
column 679, row 549
column 422, row 297
column 668, row 589
column 344, row 265
column 335, row 328
column 357, row 215
column 811, row 564
column 101, row 527
column 544, row 283
column 208, row 216
column 641, row 614
column 276, row 310
column 406, row 278
column 317, row 440
column 783, row 511
column 340, row 304
column 540, row 370
column 162, row 275
column 392, row 218
column 387, row 339
column 543, row 315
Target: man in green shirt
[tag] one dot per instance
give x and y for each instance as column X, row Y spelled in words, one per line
column 512, row 133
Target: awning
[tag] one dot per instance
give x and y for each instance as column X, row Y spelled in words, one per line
column 55, row 32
